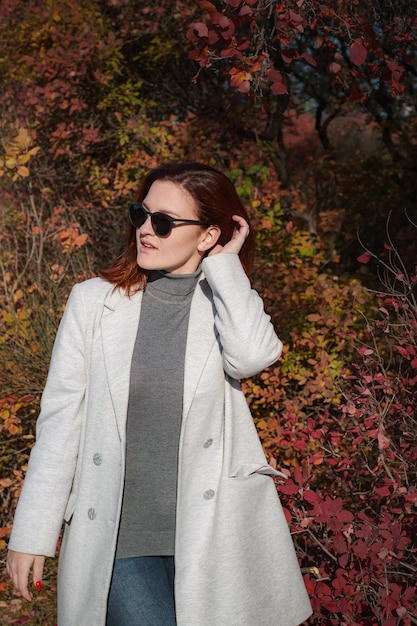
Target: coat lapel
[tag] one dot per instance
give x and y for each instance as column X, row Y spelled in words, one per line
column 119, row 327
column 200, row 339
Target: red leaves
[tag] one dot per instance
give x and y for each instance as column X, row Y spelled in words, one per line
column 408, row 352
column 311, row 496
column 289, row 55
column 296, row 20
column 356, row 510
column 328, row 510
column 394, row 75
column 383, row 441
column 307, row 57
column 233, row 3
column 365, row 257
column 197, row 30
column 335, row 34
column 358, row 52
column 225, row 25
column 277, row 85
column 289, row 488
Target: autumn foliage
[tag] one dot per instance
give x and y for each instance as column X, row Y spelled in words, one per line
column 306, row 106
column 263, row 40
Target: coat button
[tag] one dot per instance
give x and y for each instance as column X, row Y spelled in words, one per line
column 209, row 494
column 207, row 443
column 92, row 514
column 97, row 459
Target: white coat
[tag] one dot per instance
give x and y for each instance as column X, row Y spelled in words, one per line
column 235, row 563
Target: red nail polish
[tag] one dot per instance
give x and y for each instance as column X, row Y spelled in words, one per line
column 38, row 585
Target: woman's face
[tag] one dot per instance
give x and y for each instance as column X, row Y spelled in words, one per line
column 181, row 251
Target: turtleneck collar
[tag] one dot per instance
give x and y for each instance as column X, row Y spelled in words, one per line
column 172, row 284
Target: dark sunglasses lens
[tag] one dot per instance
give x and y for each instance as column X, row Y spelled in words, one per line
column 161, row 224
column 137, row 215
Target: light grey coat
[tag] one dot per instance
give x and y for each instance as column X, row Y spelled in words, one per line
column 234, row 558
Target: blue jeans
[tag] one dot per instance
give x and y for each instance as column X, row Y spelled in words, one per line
column 142, row 592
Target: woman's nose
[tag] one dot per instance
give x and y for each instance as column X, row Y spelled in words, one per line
column 147, row 226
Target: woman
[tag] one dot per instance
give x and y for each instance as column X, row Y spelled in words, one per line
column 145, row 445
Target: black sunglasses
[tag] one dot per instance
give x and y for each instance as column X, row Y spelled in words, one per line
column 161, row 222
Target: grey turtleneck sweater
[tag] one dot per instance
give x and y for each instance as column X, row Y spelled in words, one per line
column 147, row 524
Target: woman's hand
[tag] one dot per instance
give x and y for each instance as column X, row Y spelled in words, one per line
column 239, row 236
column 19, row 565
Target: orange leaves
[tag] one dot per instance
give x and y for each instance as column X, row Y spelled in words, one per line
column 207, row 6
column 71, row 238
column 241, row 80
column 9, row 421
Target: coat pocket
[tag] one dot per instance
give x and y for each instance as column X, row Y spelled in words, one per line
column 247, row 469
column 243, row 452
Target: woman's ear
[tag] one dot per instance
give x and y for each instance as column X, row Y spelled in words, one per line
column 209, row 238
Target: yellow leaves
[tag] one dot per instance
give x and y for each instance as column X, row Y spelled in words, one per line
column 21, row 315
column 303, row 244
column 7, row 317
column 17, row 295
column 17, row 155
column 9, row 421
column 23, row 140
column 9, row 410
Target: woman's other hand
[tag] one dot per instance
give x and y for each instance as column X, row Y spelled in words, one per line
column 239, row 236
column 19, row 565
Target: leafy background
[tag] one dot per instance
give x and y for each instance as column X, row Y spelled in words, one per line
column 311, row 109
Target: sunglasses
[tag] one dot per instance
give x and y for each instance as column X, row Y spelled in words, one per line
column 161, row 222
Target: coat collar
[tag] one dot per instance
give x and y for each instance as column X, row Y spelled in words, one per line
column 119, row 326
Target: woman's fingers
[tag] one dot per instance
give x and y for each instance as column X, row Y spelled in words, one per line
column 19, row 566
column 38, row 564
column 243, row 229
column 239, row 236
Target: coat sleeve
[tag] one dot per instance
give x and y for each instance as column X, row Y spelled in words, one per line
column 52, row 462
column 248, row 339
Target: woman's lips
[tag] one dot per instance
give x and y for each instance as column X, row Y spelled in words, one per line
column 145, row 245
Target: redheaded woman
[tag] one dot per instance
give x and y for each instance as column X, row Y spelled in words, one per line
column 146, row 450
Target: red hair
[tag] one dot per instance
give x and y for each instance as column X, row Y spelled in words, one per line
column 216, row 201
